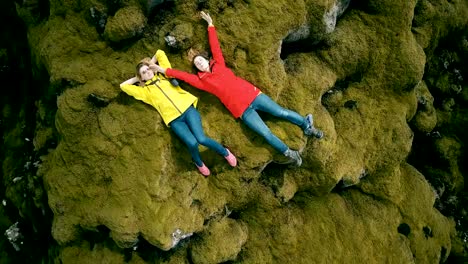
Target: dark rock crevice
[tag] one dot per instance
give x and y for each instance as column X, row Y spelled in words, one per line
column 336, row 98
column 440, row 154
column 101, row 236
column 34, row 10
column 273, row 176
column 22, row 191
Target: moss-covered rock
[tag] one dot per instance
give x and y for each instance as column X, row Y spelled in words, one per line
column 221, row 242
column 426, row 117
column 351, row 226
column 117, row 165
column 180, row 37
column 127, row 23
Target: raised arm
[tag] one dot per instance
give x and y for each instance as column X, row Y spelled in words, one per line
column 130, row 81
column 133, row 90
column 161, row 57
column 213, row 39
column 154, row 59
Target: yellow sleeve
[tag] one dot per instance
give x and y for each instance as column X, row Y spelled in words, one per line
column 162, row 59
column 136, row 91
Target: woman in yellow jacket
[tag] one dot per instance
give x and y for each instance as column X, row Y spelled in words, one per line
column 176, row 107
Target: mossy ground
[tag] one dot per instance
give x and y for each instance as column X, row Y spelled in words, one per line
column 118, row 166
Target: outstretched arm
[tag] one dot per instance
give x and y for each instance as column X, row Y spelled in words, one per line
column 191, row 79
column 213, row 39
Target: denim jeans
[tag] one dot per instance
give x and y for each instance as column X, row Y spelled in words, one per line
column 265, row 104
column 188, row 128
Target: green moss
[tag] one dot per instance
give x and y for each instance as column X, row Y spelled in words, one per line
column 426, row 118
column 120, row 167
column 221, row 243
column 127, row 23
column 309, row 226
column 434, row 20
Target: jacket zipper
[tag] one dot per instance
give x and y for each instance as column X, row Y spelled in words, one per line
column 155, row 83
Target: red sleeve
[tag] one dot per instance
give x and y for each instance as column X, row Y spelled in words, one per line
column 191, row 79
column 214, row 45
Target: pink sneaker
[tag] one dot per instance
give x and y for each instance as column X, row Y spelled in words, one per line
column 204, row 170
column 231, row 159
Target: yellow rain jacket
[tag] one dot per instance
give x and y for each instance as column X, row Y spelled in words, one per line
column 170, row 101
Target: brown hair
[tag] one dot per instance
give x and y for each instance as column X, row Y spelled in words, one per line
column 144, row 62
column 202, row 54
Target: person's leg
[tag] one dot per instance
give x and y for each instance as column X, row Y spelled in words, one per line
column 310, row 130
column 181, row 129
column 265, row 104
column 251, row 118
column 193, row 120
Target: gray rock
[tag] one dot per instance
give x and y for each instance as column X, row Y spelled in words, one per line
column 14, row 235
column 308, row 30
column 180, row 37
column 301, row 33
column 98, row 18
column 330, row 17
column 171, row 41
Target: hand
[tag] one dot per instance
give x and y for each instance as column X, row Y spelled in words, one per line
column 207, row 18
column 157, row 68
column 153, row 67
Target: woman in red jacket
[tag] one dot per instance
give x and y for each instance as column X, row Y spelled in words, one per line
column 241, row 97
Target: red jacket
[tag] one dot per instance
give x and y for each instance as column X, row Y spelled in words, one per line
column 234, row 92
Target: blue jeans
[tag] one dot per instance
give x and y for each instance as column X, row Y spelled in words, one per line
column 188, row 128
column 265, row 104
